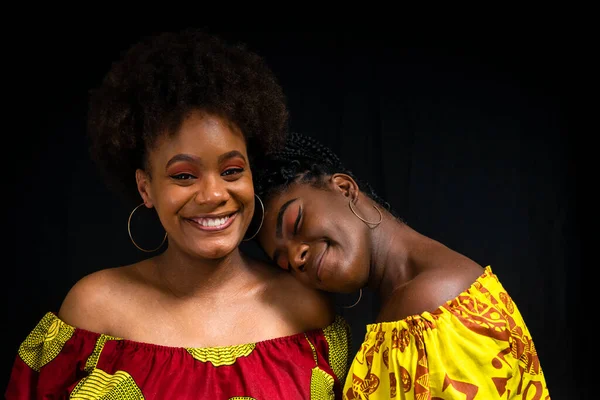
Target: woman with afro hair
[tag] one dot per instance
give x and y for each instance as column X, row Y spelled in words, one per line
column 176, row 126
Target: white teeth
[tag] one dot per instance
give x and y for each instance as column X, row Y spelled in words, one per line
column 212, row 222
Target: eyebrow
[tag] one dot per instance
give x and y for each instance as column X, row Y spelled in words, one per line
column 231, row 154
column 194, row 159
column 183, row 157
column 279, row 227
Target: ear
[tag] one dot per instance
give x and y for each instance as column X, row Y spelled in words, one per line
column 346, row 185
column 142, row 180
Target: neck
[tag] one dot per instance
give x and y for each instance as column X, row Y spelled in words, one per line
column 399, row 254
column 389, row 257
column 184, row 275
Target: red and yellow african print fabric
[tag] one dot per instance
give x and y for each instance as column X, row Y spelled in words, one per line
column 59, row 361
column 474, row 347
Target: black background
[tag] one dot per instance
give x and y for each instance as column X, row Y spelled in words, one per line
column 470, row 138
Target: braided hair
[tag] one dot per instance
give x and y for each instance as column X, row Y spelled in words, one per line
column 304, row 160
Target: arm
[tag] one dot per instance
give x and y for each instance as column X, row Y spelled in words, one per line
column 87, row 303
column 52, row 358
column 50, row 361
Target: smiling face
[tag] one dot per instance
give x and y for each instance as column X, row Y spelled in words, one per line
column 201, row 186
column 312, row 232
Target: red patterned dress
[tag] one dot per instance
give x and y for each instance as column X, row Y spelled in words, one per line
column 59, row 361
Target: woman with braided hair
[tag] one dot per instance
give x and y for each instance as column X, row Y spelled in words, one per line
column 447, row 329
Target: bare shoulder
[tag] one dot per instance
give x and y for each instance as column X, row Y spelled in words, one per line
column 430, row 290
column 90, row 303
column 310, row 308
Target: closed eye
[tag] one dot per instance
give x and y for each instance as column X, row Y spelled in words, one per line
column 297, row 222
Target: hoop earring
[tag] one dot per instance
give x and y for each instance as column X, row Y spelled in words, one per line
column 131, row 237
column 375, row 224
column 357, row 301
column 261, row 220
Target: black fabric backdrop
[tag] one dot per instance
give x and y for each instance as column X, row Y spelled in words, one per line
column 471, row 143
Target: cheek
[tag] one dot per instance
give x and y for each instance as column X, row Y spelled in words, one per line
column 243, row 190
column 351, row 233
column 169, row 199
column 173, row 200
column 243, row 193
column 356, row 252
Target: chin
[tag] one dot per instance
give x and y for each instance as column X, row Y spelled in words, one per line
column 329, row 285
column 342, row 282
column 215, row 251
column 344, row 289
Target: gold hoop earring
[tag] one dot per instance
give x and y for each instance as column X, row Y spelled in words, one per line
column 261, row 220
column 375, row 224
column 131, row 237
column 357, row 301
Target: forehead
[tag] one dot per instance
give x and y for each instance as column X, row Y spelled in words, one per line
column 204, row 134
column 292, row 196
column 299, row 191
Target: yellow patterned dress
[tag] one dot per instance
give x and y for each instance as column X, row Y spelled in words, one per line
column 474, row 347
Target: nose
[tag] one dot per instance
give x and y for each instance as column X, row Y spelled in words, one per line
column 298, row 253
column 211, row 190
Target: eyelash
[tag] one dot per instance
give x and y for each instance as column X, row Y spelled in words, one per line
column 180, row 177
column 297, row 228
column 233, row 171
column 226, row 173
